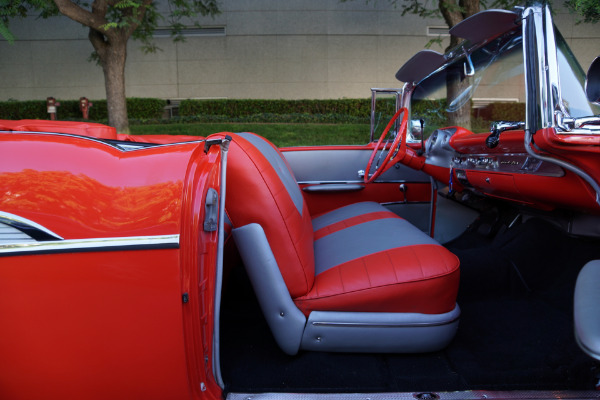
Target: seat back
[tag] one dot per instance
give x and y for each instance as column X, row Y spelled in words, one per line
column 261, row 189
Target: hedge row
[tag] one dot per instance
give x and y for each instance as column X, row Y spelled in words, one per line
column 503, row 112
column 137, row 108
column 295, row 118
column 244, row 108
column 275, row 111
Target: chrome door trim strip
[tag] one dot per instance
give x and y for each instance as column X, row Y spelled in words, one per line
column 91, row 245
column 352, row 182
column 33, row 229
column 382, row 325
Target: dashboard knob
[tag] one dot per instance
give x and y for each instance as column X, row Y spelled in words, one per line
column 492, row 140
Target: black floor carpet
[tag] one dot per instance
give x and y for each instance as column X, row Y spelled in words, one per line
column 515, row 333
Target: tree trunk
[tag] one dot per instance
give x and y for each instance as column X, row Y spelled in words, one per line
column 457, row 83
column 110, row 43
column 113, row 55
column 114, row 81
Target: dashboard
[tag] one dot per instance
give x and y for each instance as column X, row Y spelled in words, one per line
column 506, row 172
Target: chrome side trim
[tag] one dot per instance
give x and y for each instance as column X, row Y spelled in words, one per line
column 9, row 234
column 120, row 145
column 358, row 181
column 393, row 203
column 33, row 229
column 332, row 187
column 89, row 245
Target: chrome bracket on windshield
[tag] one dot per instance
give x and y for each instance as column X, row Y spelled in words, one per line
column 468, row 65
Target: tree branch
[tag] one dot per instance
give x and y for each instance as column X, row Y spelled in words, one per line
column 138, row 16
column 469, row 7
column 451, row 12
column 81, row 15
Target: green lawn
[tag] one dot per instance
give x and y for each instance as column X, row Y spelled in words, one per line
column 282, row 135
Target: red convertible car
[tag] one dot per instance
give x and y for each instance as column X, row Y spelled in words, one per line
column 452, row 257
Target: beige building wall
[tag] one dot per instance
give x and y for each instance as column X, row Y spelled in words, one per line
column 270, row 49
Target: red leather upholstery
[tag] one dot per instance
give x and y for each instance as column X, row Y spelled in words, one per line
column 352, row 221
column 361, row 258
column 255, row 194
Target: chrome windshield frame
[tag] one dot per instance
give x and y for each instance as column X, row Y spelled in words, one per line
column 542, row 84
column 552, row 110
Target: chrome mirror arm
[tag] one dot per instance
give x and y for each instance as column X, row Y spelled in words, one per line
column 500, row 126
column 568, row 123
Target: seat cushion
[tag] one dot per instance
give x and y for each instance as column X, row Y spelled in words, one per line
column 368, row 259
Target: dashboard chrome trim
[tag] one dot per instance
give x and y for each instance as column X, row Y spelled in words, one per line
column 513, row 163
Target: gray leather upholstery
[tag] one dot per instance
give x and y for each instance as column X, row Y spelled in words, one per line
column 284, row 318
column 379, row 332
column 364, row 239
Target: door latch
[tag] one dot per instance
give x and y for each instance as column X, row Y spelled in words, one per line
column 211, row 210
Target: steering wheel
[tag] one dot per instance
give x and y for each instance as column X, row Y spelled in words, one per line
column 388, row 156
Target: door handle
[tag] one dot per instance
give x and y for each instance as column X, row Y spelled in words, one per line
column 403, row 188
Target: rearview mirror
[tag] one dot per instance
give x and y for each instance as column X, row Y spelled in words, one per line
column 592, row 82
column 416, row 129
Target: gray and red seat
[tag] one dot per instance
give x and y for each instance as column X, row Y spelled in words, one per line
column 358, row 278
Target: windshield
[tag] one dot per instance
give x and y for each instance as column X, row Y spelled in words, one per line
column 458, row 95
column 572, row 82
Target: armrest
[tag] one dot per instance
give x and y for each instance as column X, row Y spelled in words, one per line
column 586, row 309
column 332, row 187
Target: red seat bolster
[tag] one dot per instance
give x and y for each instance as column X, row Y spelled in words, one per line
column 256, row 194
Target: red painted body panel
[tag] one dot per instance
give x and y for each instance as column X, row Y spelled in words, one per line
column 89, row 129
column 92, row 326
column 198, row 259
column 467, row 142
column 583, row 151
column 112, row 323
column 95, row 191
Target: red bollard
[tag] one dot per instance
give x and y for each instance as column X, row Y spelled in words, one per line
column 84, row 106
column 51, row 105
